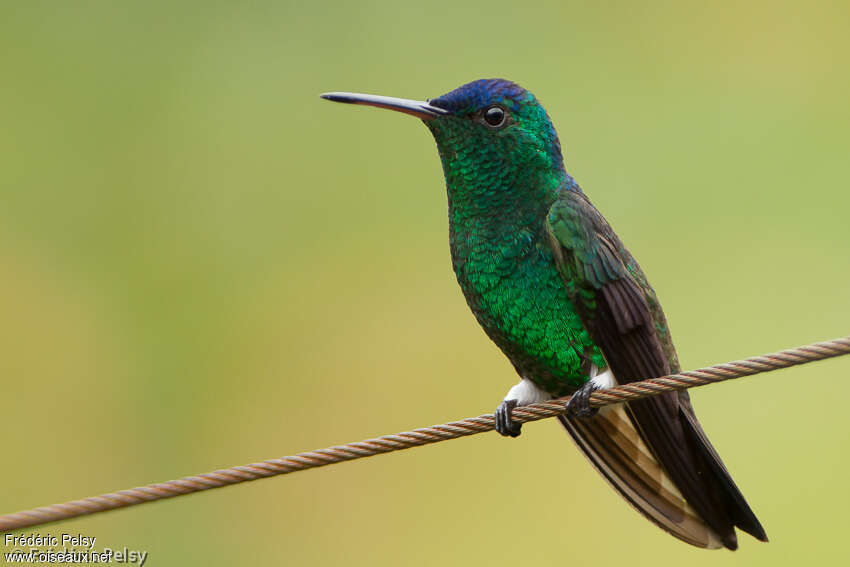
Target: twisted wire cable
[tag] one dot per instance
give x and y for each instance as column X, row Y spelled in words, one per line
column 417, row 437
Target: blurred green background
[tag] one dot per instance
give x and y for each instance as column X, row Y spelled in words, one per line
column 202, row 264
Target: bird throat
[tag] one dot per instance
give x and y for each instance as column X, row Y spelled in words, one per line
column 498, row 199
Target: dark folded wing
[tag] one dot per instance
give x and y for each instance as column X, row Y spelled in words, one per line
column 620, row 312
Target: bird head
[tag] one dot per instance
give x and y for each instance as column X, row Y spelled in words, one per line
column 495, row 139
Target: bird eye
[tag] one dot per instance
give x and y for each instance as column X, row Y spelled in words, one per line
column 495, row 116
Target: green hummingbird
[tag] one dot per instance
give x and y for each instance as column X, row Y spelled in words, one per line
column 554, row 287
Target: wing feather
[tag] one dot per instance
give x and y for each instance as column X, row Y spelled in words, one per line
column 613, row 299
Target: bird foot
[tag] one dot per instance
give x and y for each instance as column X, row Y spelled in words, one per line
column 505, row 424
column 579, row 403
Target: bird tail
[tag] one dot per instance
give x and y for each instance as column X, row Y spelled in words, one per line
column 615, row 445
column 720, row 480
column 612, row 443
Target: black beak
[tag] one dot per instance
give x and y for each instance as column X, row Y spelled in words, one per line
column 420, row 109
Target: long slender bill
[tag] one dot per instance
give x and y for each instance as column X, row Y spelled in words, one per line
column 418, row 108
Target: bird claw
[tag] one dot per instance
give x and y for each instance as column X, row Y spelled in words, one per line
column 579, row 403
column 505, row 424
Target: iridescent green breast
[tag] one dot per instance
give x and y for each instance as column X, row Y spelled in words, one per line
column 511, row 283
column 501, row 180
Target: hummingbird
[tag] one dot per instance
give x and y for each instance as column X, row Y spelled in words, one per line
column 557, row 291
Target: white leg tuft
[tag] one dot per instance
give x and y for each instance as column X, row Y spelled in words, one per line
column 604, row 380
column 527, row 392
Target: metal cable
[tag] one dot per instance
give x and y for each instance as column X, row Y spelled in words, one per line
column 417, row 437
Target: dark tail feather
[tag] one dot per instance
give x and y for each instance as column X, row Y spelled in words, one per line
column 739, row 511
column 617, row 450
column 691, row 496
